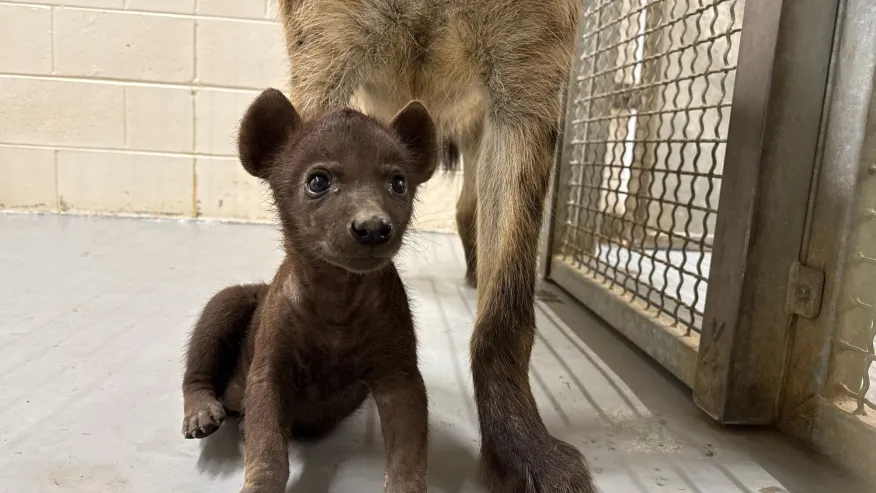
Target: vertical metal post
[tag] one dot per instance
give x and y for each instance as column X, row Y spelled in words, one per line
column 822, row 397
column 772, row 146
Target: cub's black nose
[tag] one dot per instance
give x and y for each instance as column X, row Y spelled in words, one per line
column 372, row 231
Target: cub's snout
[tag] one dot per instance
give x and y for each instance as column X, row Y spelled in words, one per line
column 371, row 231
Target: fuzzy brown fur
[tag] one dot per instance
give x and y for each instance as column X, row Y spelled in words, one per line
column 299, row 355
column 491, row 72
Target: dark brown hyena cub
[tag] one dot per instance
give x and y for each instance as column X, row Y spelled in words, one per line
column 298, row 356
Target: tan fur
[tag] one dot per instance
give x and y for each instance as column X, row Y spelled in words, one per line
column 466, row 206
column 490, row 72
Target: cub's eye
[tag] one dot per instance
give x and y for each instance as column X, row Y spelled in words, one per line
column 398, row 185
column 318, row 183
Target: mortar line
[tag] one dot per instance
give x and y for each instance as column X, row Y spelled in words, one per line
column 154, row 13
column 82, row 79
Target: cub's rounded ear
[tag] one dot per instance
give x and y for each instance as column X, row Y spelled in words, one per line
column 414, row 126
column 268, row 123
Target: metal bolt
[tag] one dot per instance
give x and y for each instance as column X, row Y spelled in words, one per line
column 871, row 169
column 803, row 292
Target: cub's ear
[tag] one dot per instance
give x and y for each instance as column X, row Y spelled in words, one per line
column 414, row 126
column 267, row 125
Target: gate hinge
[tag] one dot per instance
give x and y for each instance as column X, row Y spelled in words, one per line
column 805, row 286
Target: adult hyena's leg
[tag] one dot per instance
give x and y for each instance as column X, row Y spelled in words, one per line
column 466, row 206
column 528, row 65
column 518, row 454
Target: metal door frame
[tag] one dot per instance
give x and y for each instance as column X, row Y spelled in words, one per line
column 812, row 409
column 802, row 127
column 737, row 366
column 773, row 147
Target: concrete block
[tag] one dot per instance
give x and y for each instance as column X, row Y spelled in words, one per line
column 217, row 119
column 108, row 4
column 254, row 9
column 57, row 112
column 27, row 179
column 26, row 39
column 435, row 209
column 273, row 10
column 172, row 6
column 160, row 118
column 124, row 45
column 227, row 191
column 246, row 54
column 127, row 183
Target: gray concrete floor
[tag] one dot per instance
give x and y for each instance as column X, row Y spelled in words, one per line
column 94, row 314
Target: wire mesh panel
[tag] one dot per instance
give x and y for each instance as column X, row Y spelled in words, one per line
column 645, row 141
column 854, row 346
column 863, row 374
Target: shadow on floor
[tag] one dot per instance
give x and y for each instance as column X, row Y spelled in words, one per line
column 451, row 463
column 793, row 466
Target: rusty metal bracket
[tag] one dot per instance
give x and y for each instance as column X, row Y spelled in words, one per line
column 805, row 287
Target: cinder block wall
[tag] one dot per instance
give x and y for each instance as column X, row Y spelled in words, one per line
column 132, row 106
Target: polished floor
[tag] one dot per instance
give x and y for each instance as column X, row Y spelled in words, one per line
column 93, row 317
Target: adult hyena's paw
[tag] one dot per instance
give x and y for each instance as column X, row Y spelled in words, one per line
column 556, row 467
column 203, row 417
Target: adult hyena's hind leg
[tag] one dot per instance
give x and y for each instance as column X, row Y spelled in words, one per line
column 466, row 206
column 518, row 453
column 213, row 353
column 529, row 64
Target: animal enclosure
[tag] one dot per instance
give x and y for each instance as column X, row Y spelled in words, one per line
column 695, row 207
column 713, row 203
column 646, row 143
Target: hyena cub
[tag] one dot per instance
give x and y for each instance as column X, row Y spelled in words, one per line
column 299, row 355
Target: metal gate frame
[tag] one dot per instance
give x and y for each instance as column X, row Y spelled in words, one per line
column 737, row 366
column 825, row 358
column 801, row 123
column 773, row 147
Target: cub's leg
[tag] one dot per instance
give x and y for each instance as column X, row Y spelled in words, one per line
column 212, row 355
column 266, row 459
column 404, row 418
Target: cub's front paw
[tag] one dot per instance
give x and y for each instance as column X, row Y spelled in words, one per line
column 203, row 417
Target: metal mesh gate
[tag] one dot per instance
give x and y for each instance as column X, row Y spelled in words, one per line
column 859, row 358
column 645, row 140
column 760, row 304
